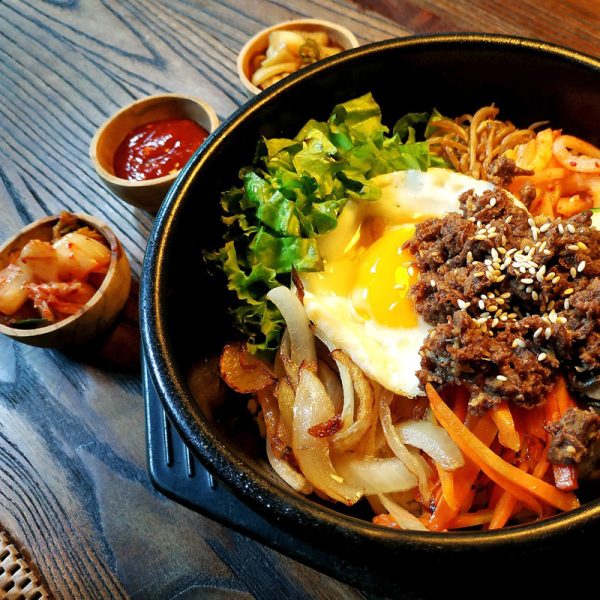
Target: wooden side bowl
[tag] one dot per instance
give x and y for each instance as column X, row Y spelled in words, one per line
column 98, row 313
column 150, row 193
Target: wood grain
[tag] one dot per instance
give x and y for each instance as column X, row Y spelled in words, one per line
column 74, row 488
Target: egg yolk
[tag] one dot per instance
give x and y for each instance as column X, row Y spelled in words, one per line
column 383, row 281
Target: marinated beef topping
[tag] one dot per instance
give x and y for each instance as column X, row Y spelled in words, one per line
column 503, row 170
column 512, row 298
column 573, row 437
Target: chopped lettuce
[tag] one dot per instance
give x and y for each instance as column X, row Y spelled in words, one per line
column 294, row 192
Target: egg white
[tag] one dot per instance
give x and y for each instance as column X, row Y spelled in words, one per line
column 388, row 355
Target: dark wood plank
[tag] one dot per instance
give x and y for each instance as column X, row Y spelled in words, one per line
column 74, row 489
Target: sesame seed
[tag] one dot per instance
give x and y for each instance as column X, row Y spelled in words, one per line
column 489, row 275
column 529, row 289
column 492, row 235
column 547, row 252
column 526, row 249
column 550, row 276
column 534, row 233
column 481, row 304
column 504, row 317
column 492, row 201
column 509, row 219
column 543, row 246
column 568, row 291
column 561, row 229
column 505, row 295
column 479, row 237
column 573, row 272
column 478, row 274
column 501, row 378
column 512, row 315
column 411, row 271
column 556, row 279
column 500, row 278
column 537, row 332
column 573, row 247
column 535, row 296
column 494, row 323
column 500, row 300
column 567, row 305
column 570, row 228
column 531, row 222
column 552, row 316
column 502, row 250
column 548, row 332
column 545, row 228
column 432, row 282
column 491, row 229
column 469, row 257
column 539, row 276
column 492, row 308
column 463, row 305
column 571, row 450
column 542, row 356
column 527, row 281
column 561, row 320
column 582, row 246
column 581, row 266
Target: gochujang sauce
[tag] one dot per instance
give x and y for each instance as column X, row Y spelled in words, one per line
column 157, row 148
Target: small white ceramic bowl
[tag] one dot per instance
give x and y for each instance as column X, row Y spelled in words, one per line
column 98, row 313
column 260, row 42
column 147, row 194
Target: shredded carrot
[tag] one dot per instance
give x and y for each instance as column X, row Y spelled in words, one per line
column 474, row 519
column 522, row 485
column 463, row 480
column 447, row 483
column 564, row 399
column 507, row 434
column 386, row 520
column 505, row 508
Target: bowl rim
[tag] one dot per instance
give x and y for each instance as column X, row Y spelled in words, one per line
column 114, row 246
column 265, row 497
column 318, row 23
column 145, row 183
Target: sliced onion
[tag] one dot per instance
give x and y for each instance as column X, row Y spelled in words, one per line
column 433, row 440
column 332, row 384
column 405, row 519
column 398, row 447
column 285, row 398
column 374, row 475
column 348, row 437
column 283, row 468
column 301, row 337
column 346, row 379
column 311, row 407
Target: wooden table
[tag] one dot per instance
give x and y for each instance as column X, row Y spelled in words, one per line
column 74, row 489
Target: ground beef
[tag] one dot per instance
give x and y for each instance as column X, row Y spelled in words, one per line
column 503, row 170
column 511, row 297
column 573, row 438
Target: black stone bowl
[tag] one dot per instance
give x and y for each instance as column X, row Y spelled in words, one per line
column 185, row 320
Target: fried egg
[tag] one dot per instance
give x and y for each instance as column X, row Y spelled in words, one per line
column 360, row 301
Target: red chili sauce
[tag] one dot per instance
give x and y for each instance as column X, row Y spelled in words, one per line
column 157, row 149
